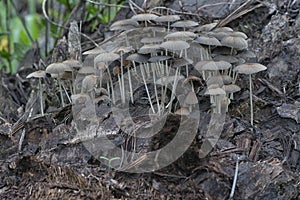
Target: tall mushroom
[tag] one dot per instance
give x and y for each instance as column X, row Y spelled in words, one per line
column 248, row 69
column 39, row 75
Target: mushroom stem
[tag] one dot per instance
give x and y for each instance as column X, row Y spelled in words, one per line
column 174, row 88
column 61, row 93
column 41, row 97
column 122, row 79
column 156, row 95
column 235, row 178
column 130, row 85
column 146, row 87
column 251, row 104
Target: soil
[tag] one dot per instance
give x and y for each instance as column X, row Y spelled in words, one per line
column 43, row 157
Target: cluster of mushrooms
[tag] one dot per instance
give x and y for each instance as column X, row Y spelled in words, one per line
column 162, row 59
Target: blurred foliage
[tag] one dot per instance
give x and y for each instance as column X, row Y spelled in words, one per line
column 15, row 41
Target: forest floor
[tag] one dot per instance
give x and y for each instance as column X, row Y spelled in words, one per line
column 41, row 158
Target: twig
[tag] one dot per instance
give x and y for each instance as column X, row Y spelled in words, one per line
column 172, row 10
column 106, row 4
column 240, row 11
column 135, row 5
column 58, row 25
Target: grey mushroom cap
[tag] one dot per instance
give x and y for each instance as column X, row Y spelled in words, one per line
column 208, row 40
column 175, row 45
column 37, row 74
column 74, row 64
column 249, row 68
column 231, row 88
column 184, row 24
column 215, row 90
column 125, row 22
column 144, row 17
column 236, row 42
column 107, row 57
column 167, row 18
column 212, row 65
column 149, row 48
column 181, row 35
column 139, row 58
column 57, row 68
column 206, row 27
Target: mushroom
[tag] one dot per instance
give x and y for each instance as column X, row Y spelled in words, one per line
column 39, row 75
column 56, row 70
column 217, row 94
column 234, row 42
column 152, row 40
column 191, row 100
column 108, row 57
column 181, row 35
column 185, row 24
column 168, row 19
column 144, row 17
column 89, row 83
column 209, row 41
column 248, row 69
column 75, row 65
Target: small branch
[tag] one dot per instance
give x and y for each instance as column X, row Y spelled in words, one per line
column 58, row 25
column 106, row 4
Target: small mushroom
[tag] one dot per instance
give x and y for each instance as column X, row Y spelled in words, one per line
column 185, row 24
column 144, row 17
column 39, row 75
column 56, row 70
column 182, row 112
column 235, row 42
column 181, row 35
column 191, row 100
column 249, row 69
column 217, row 94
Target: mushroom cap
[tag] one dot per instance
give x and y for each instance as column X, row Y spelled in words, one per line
column 184, row 24
column 181, row 35
column 125, row 22
column 154, row 59
column 149, row 48
column 212, row 65
column 167, row 18
column 182, row 111
column 87, row 70
column 139, row 58
column 57, row 68
column 180, row 62
column 220, row 80
column 175, row 45
column 152, row 40
column 208, row 40
column 231, row 88
column 97, row 50
column 249, row 68
column 144, row 17
column 37, row 74
column 206, row 27
column 214, row 90
column 236, row 42
column 219, row 34
column 191, row 99
column 223, row 29
column 106, row 57
column 72, row 63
